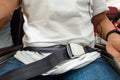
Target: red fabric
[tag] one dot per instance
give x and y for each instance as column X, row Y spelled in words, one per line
column 115, row 25
column 112, row 10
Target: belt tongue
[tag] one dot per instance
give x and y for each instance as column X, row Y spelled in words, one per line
column 75, row 50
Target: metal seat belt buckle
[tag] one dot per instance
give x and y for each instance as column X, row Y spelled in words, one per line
column 75, row 50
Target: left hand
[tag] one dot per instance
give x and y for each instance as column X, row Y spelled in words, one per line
column 113, row 45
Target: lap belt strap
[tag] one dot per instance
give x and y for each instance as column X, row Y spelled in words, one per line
column 59, row 54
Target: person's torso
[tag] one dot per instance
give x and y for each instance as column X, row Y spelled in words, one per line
column 51, row 22
column 57, row 21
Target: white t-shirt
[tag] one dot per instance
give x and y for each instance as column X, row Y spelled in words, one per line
column 58, row 21
column 50, row 22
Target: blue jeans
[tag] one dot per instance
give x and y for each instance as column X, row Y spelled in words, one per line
column 97, row 70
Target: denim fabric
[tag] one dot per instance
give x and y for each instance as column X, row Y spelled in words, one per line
column 11, row 64
column 97, row 70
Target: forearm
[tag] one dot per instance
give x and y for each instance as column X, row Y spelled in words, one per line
column 7, row 7
column 103, row 24
column 3, row 21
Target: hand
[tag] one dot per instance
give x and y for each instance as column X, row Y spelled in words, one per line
column 113, row 45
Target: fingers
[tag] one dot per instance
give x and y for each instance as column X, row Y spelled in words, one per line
column 110, row 49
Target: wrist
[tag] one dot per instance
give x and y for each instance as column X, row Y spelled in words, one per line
column 111, row 32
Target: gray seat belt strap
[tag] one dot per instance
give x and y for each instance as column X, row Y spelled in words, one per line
column 36, row 68
column 39, row 67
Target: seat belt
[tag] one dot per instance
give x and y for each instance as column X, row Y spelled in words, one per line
column 39, row 67
column 8, row 50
